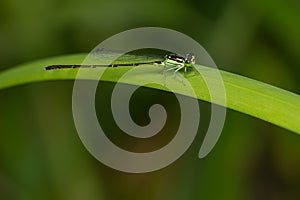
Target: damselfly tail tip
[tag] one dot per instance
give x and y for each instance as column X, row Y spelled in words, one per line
column 50, row 67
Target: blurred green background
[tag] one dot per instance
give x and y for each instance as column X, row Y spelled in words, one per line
column 41, row 155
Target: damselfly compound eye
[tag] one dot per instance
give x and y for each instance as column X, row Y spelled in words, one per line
column 190, row 58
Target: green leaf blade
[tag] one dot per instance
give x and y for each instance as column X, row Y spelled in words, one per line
column 245, row 95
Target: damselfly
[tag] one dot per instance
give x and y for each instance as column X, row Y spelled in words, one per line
column 170, row 62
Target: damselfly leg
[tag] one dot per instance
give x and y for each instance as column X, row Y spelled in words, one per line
column 176, row 63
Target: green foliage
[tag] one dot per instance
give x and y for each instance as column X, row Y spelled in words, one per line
column 248, row 96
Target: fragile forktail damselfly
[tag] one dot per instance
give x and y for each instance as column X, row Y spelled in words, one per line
column 170, row 61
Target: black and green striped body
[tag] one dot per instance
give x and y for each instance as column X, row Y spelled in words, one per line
column 170, row 62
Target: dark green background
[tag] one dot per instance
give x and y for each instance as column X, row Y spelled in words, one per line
column 41, row 156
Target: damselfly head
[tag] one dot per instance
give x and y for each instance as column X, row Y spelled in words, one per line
column 190, row 58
